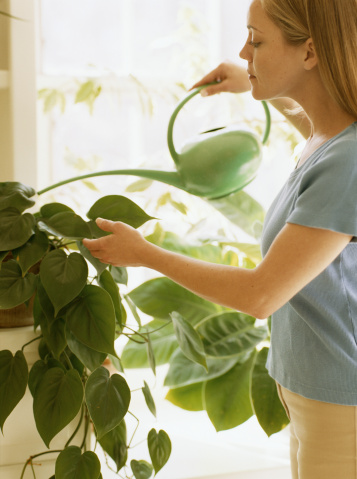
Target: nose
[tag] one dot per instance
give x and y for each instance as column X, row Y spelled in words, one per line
column 244, row 53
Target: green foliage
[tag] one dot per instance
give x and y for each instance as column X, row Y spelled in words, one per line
column 159, row 448
column 72, row 464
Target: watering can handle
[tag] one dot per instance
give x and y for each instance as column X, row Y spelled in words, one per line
column 188, row 97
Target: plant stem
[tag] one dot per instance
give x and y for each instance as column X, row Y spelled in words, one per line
column 87, row 421
column 68, row 361
column 132, row 437
column 32, row 341
column 77, row 428
column 29, row 460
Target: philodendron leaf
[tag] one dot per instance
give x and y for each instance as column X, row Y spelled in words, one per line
column 37, row 372
column 159, row 448
column 266, row 403
column 72, row 464
column 15, row 288
column 32, row 251
column 63, row 277
column 91, row 318
column 228, row 334
column 16, row 195
column 118, row 208
column 99, row 266
column 51, row 209
column 89, row 357
column 120, row 274
column 189, row 340
column 67, row 225
column 227, row 398
column 183, row 372
column 114, row 444
column 13, row 382
column 189, row 397
column 151, row 355
column 149, row 399
column 107, row 282
column 107, row 398
column 141, row 469
column 57, row 400
column 15, row 228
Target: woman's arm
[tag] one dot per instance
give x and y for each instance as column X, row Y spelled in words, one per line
column 295, row 258
column 234, row 78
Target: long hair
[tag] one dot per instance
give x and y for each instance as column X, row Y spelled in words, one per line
column 332, row 25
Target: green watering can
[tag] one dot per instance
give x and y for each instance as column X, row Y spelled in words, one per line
column 212, row 165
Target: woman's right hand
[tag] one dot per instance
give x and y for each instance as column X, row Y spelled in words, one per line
column 232, row 78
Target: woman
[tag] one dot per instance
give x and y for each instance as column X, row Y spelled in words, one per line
column 304, row 52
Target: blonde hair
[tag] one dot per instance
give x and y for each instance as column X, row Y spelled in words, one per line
column 332, row 25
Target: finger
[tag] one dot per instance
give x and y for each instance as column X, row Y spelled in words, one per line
column 105, row 225
column 209, row 78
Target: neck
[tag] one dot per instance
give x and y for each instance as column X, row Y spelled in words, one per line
column 326, row 116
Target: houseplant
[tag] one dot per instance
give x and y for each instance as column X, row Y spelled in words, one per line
column 77, row 315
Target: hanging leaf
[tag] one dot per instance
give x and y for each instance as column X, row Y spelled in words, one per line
column 149, row 399
column 63, row 277
column 266, row 403
column 89, row 357
column 16, row 195
column 114, row 444
column 159, row 448
column 151, row 355
column 13, row 382
column 107, row 399
column 37, row 372
column 160, row 297
column 67, row 225
column 57, row 400
column 72, row 464
column 163, row 342
column 91, row 318
column 188, row 339
column 229, row 334
column 15, row 288
column 183, row 372
column 107, row 282
column 84, row 92
column 32, row 251
column 227, row 398
column 141, row 469
column 99, row 266
column 15, row 228
column 189, row 397
column 133, row 310
column 51, row 209
column 139, row 185
column 120, row 274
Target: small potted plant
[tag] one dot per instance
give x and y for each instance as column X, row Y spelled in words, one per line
column 48, row 277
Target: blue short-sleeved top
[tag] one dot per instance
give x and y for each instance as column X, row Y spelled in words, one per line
column 314, row 335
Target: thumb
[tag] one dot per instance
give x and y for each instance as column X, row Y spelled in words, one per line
column 105, row 225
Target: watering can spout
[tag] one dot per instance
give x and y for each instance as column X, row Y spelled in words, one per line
column 168, row 177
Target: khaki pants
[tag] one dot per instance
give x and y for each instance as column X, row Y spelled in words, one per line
column 323, row 438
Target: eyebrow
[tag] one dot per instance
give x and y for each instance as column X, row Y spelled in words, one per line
column 253, row 28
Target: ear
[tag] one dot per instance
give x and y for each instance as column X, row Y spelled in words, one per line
column 310, row 59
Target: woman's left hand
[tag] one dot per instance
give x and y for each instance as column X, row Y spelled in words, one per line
column 124, row 247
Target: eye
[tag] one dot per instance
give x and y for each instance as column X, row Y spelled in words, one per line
column 254, row 44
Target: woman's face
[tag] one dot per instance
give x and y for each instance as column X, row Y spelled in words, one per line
column 275, row 67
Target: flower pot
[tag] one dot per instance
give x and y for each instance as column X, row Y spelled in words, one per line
column 20, row 438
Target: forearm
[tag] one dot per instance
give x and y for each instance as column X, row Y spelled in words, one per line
column 232, row 287
column 299, row 120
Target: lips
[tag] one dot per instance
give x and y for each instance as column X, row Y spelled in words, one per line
column 250, row 76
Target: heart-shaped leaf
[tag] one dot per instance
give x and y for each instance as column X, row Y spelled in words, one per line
column 32, row 251
column 89, row 357
column 13, row 382
column 107, row 399
column 120, row 274
column 72, row 464
column 189, row 397
column 227, row 398
column 51, row 209
column 141, row 469
column 114, row 444
column 189, row 340
column 16, row 195
column 63, row 277
column 37, row 372
column 66, row 224
column 159, row 448
column 118, row 208
column 91, row 318
column 99, row 266
column 57, row 400
column 15, row 228
column 266, row 403
column 107, row 282
column 53, row 330
column 15, row 288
